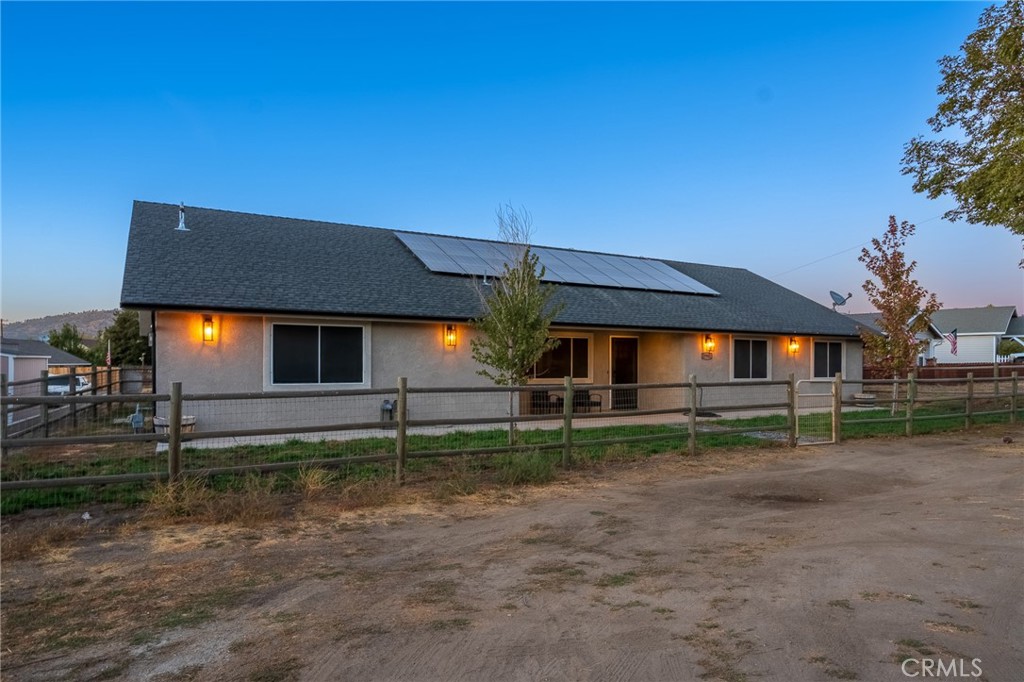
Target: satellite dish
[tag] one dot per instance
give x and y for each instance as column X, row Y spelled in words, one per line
column 837, row 299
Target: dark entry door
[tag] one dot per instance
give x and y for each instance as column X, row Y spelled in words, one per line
column 624, row 371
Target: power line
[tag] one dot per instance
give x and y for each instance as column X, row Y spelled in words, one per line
column 839, row 253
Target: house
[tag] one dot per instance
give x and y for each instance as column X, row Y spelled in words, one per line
column 978, row 332
column 929, row 338
column 26, row 360
column 237, row 302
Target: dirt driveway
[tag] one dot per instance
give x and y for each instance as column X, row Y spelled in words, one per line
column 827, row 563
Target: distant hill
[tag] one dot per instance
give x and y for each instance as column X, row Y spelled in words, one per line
column 90, row 323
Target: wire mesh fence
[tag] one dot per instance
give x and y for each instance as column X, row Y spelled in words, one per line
column 111, row 447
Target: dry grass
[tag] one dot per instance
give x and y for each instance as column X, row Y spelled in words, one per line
column 29, row 542
column 191, row 499
column 313, row 482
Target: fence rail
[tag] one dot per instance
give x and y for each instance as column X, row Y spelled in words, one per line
column 128, row 438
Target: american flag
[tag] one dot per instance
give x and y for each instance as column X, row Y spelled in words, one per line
column 951, row 337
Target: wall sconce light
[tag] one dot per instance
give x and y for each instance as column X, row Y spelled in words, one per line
column 794, row 345
column 207, row 329
column 709, row 344
column 451, row 337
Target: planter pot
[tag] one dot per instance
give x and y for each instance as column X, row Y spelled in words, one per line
column 161, row 424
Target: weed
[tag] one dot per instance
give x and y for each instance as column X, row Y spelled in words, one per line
column 450, row 624
column 186, row 498
column 616, row 579
column 281, row 671
column 461, row 480
column 964, row 604
column 528, row 468
column 17, row 544
column 841, row 603
column 313, row 481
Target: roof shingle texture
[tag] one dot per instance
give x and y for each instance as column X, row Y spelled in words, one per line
column 244, row 262
column 987, row 320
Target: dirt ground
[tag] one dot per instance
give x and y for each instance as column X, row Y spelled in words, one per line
column 821, row 563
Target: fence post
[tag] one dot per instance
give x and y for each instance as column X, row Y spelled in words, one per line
column 968, row 415
column 174, row 431
column 791, row 409
column 837, row 408
column 567, row 406
column 996, row 374
column 72, row 385
column 403, row 384
column 911, row 397
column 110, row 382
column 3, row 416
column 1013, row 397
column 692, row 424
column 93, row 375
column 44, row 409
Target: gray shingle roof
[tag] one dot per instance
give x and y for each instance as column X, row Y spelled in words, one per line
column 987, row 320
column 254, row 263
column 34, row 348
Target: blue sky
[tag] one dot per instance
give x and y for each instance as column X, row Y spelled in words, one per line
column 766, row 136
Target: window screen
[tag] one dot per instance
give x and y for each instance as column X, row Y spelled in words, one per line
column 828, row 358
column 750, row 359
column 570, row 358
column 310, row 354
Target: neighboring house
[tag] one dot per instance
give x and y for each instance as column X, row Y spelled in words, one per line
column 978, row 332
column 27, row 359
column 931, row 336
column 239, row 302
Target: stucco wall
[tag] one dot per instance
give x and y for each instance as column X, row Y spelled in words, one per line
column 238, row 361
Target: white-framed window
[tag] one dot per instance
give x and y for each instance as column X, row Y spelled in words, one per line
column 750, row 359
column 572, row 357
column 305, row 354
column 828, row 359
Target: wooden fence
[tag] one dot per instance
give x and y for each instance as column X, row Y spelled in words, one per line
column 909, row 397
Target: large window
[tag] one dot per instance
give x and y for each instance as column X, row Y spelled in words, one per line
column 315, row 354
column 828, row 358
column 750, row 359
column 571, row 358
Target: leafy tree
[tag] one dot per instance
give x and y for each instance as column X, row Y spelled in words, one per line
column 68, row 339
column 127, row 346
column 518, row 310
column 905, row 308
column 982, row 164
column 1009, row 347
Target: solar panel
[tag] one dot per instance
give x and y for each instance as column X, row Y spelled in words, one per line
column 455, row 255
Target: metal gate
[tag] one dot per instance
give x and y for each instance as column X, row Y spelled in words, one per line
column 814, row 411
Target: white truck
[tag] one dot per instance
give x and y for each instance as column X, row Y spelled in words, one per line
column 60, row 384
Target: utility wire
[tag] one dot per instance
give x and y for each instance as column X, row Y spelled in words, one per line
column 838, row 253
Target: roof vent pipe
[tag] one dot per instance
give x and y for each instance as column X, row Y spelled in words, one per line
column 181, row 219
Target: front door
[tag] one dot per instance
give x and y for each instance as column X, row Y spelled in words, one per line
column 624, row 371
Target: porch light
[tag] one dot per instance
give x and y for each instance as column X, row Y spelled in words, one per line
column 794, row 345
column 207, row 329
column 451, row 337
column 709, row 344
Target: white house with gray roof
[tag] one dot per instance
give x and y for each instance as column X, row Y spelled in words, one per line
column 238, row 302
column 978, row 331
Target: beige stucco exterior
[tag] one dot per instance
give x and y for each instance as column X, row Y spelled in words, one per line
column 238, row 360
